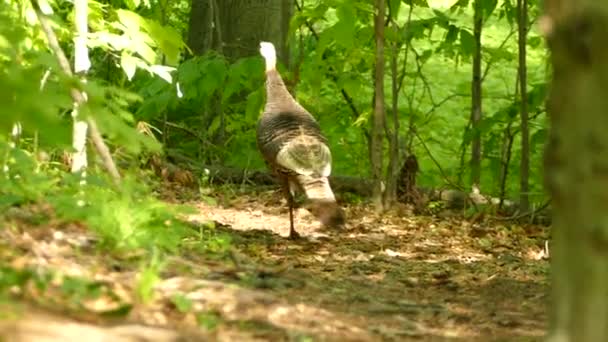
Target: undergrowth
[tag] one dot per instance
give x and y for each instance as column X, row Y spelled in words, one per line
column 130, row 223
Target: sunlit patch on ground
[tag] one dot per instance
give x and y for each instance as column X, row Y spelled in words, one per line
column 380, row 278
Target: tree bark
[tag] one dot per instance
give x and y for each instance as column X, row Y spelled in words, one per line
column 524, row 166
column 236, row 27
column 379, row 115
column 476, row 96
column 81, row 67
column 200, row 32
column 392, row 171
column 576, row 168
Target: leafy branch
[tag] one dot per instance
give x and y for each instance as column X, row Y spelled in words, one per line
column 332, row 72
column 76, row 95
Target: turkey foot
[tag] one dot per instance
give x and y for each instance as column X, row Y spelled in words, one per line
column 293, row 235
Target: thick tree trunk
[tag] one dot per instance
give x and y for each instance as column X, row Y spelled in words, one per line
column 576, row 167
column 200, row 32
column 236, row 27
column 524, row 166
column 379, row 115
column 476, row 96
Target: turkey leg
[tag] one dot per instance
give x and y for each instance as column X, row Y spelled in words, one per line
column 290, row 202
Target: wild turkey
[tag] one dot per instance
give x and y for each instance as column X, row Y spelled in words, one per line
column 294, row 148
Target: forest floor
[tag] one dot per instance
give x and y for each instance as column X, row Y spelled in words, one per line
column 389, row 277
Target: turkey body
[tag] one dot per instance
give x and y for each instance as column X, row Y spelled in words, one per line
column 293, row 146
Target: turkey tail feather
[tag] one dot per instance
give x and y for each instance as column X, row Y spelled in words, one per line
column 322, row 202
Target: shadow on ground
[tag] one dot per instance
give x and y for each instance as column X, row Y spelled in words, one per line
column 385, row 277
column 396, row 278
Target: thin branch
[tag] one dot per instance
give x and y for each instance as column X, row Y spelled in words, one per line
column 408, row 45
column 76, row 95
column 425, row 81
column 443, row 174
column 435, row 106
column 493, row 57
column 500, row 47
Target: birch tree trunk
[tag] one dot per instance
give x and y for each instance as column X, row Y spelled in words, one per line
column 81, row 67
column 76, row 95
column 576, row 168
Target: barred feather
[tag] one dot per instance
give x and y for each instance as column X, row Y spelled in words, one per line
column 292, row 144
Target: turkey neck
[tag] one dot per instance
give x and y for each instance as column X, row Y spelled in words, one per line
column 278, row 97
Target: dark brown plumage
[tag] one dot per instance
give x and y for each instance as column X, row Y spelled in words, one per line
column 292, row 145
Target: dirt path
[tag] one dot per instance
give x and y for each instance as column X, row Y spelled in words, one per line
column 396, row 277
column 393, row 278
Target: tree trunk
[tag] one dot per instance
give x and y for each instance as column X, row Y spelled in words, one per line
column 524, row 166
column 236, row 27
column 576, row 168
column 379, row 116
column 392, row 171
column 81, row 66
column 200, row 32
column 476, row 96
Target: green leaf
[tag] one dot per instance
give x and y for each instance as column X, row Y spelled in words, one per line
column 215, row 124
column 350, row 84
column 452, row 34
column 167, row 38
column 441, row 18
column 535, row 41
column 131, row 20
column 539, row 137
column 208, row 320
column 162, row 71
column 460, row 4
column 467, row 42
column 214, row 71
column 344, row 30
column 189, row 73
column 509, row 12
column 144, row 50
column 537, row 96
column 488, row 7
column 254, row 104
column 182, row 303
column 362, row 119
column 128, row 63
column 106, row 39
column 132, row 4
column 418, row 3
column 394, row 6
column 393, row 34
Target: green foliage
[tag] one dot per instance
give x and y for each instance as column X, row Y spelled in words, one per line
column 124, row 219
column 206, row 107
column 206, row 83
column 181, row 302
column 48, row 287
column 208, row 320
column 148, row 277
